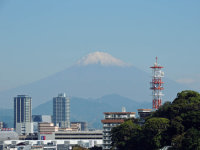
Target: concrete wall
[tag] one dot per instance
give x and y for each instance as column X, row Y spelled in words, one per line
column 24, row 128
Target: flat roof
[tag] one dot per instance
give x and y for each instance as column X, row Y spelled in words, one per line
column 144, row 109
column 113, row 121
column 119, row 113
column 79, row 132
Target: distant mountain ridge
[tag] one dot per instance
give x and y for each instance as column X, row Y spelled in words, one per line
column 91, row 110
column 81, row 109
column 7, row 116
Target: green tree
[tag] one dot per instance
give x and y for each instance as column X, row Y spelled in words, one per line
column 191, row 140
column 164, row 111
column 122, row 136
column 187, row 97
column 191, row 119
column 177, row 141
column 155, row 131
column 175, row 123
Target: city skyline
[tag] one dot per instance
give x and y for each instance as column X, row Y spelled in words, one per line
column 46, row 37
column 138, row 56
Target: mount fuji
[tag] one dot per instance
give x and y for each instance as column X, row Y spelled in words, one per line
column 95, row 75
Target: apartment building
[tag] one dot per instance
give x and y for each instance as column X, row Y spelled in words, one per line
column 113, row 119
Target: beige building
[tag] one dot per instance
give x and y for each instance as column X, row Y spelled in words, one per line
column 113, row 119
column 144, row 113
column 46, row 130
column 45, row 127
column 76, row 126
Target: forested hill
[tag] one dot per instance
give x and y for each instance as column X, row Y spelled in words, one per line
column 175, row 125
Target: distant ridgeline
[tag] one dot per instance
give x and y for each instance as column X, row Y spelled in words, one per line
column 175, row 125
column 78, row 107
column 6, row 116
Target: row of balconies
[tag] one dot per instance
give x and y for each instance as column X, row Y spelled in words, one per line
column 109, row 124
column 106, row 138
column 106, row 134
column 116, row 116
column 107, row 142
column 107, row 129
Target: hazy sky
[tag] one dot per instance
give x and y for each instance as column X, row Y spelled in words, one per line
column 39, row 38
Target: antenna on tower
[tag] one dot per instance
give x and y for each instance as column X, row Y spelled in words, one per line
column 157, row 85
column 156, row 60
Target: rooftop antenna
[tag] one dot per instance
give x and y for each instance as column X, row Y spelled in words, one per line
column 123, row 109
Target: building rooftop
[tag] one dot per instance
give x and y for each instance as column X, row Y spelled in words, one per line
column 119, row 113
column 8, row 135
column 23, row 96
column 79, row 132
column 144, row 109
column 113, row 121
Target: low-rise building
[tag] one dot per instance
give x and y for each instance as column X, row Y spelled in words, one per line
column 8, row 135
column 64, row 129
column 24, row 128
column 45, row 127
column 31, row 136
column 79, row 126
column 46, row 131
column 79, row 135
column 113, row 119
column 50, row 144
column 36, row 147
column 76, row 126
column 7, row 129
column 40, row 118
column 143, row 113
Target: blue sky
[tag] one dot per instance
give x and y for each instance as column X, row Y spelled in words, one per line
column 39, row 38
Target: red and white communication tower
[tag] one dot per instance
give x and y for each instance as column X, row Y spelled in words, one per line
column 157, row 84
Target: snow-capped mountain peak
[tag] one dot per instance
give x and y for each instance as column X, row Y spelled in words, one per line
column 101, row 58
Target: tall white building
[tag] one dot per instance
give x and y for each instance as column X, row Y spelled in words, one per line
column 22, row 114
column 61, row 111
column 113, row 119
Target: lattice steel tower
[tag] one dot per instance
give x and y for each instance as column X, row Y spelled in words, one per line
column 157, row 84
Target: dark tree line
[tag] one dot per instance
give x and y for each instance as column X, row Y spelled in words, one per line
column 175, row 124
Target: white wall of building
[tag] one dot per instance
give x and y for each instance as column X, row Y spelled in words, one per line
column 24, row 128
column 47, row 136
column 88, row 143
